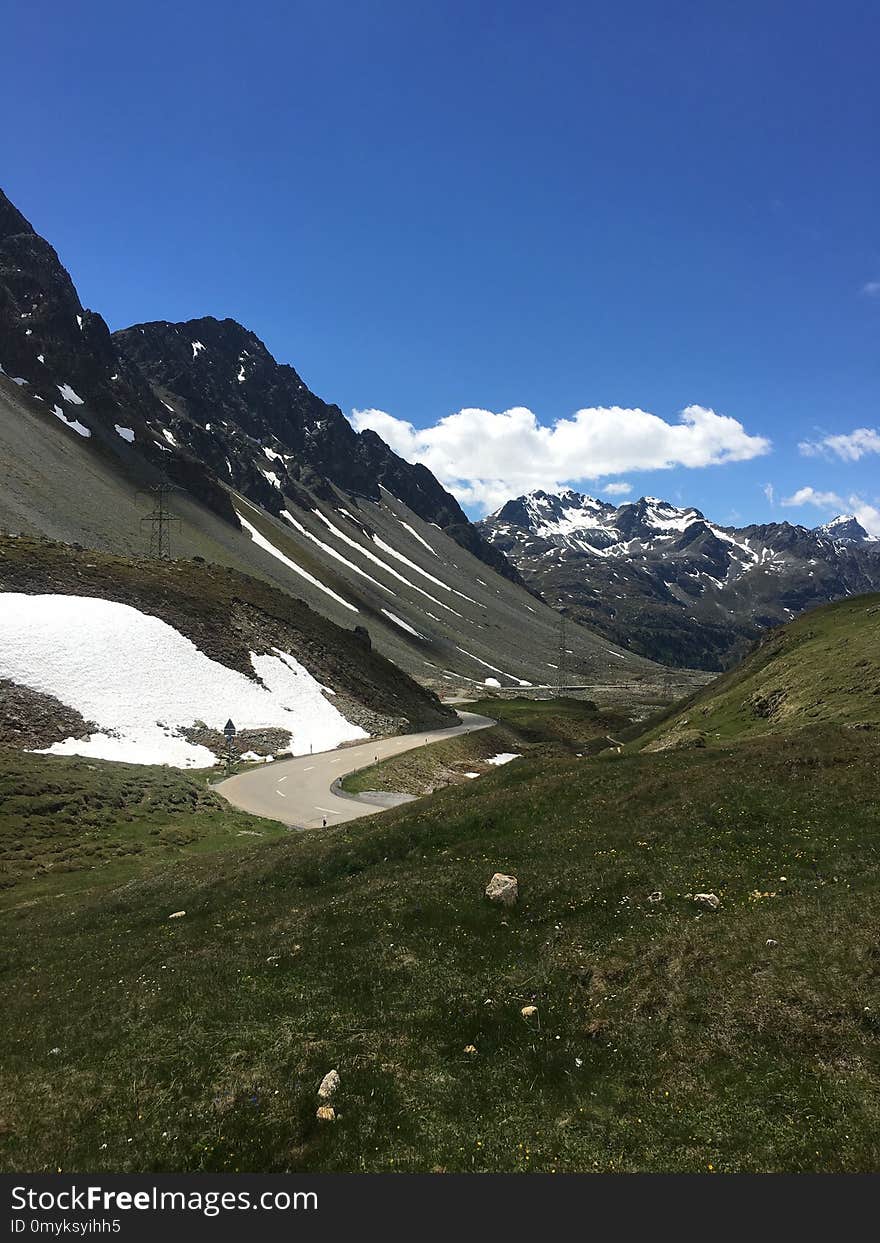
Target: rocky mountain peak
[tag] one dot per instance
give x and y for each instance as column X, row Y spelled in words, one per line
column 847, row 529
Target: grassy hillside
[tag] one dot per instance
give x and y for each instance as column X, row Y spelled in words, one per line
column 229, row 615
column 667, row 1036
column 824, row 667
column 555, row 727
column 69, row 825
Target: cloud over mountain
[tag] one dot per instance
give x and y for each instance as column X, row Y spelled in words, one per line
column 485, row 457
column 866, row 515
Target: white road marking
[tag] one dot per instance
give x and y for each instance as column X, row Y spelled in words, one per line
column 309, row 769
column 280, row 779
column 329, row 811
column 281, row 793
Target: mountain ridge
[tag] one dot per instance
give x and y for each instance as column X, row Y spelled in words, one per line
column 115, row 389
column 667, row 581
column 260, row 427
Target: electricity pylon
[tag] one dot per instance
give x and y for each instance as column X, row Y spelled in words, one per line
column 160, row 521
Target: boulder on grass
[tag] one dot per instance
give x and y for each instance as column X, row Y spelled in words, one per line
column 328, row 1085
column 503, row 889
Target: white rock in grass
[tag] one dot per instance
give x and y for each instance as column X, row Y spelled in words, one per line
column 503, row 889
column 528, row 1011
column 708, row 899
column 177, row 915
column 328, row 1085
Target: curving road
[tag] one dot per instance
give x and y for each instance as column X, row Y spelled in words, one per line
column 297, row 792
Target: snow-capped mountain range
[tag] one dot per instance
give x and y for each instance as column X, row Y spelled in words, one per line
column 669, row 582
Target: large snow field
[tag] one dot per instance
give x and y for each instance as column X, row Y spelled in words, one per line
column 141, row 681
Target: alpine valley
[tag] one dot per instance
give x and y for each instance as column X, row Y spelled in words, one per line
column 345, row 826
column 499, row 876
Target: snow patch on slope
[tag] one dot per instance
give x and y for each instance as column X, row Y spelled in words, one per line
column 73, row 424
column 414, row 533
column 265, row 544
column 69, row 395
column 331, row 552
column 346, row 539
column 141, row 681
column 398, row 621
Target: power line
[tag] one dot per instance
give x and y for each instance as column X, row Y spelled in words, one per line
column 562, row 666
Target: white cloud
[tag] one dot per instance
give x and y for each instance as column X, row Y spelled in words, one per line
column 849, row 447
column 866, row 514
column 617, row 489
column 770, row 493
column 484, row 458
column 872, row 289
column 809, row 496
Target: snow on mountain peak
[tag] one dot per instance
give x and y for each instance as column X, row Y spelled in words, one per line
column 846, row 527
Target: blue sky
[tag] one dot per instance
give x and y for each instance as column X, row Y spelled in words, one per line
column 435, row 207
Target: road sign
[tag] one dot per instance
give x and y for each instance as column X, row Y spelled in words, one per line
column 229, row 730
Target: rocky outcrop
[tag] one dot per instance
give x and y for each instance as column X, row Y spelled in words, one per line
column 31, row 720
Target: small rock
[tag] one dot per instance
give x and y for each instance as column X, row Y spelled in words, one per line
column 325, row 1113
column 328, row 1085
column 177, row 915
column 528, row 1011
column 470, row 1049
column 708, row 899
column 770, row 942
column 503, row 889
column 656, row 896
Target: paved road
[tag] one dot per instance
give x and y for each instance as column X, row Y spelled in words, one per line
column 297, row 792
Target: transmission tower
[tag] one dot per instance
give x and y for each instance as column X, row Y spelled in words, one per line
column 562, row 666
column 160, row 521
